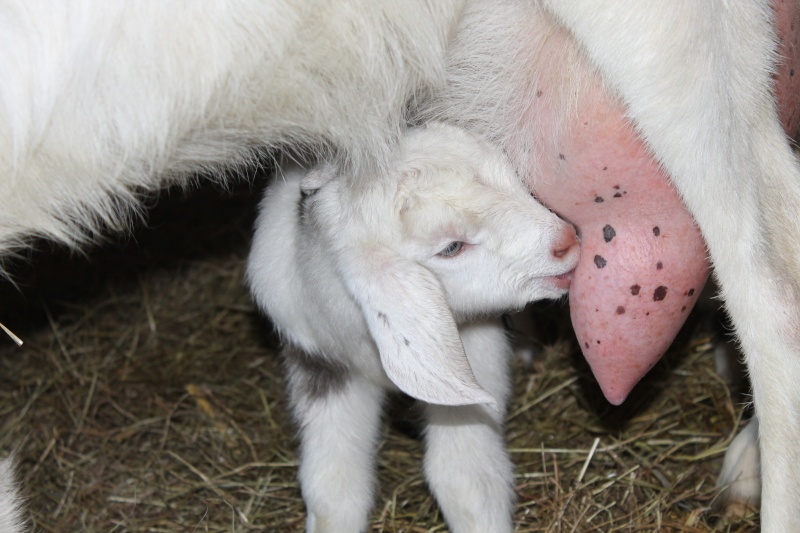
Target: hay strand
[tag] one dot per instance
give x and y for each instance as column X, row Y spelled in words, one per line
column 8, row 332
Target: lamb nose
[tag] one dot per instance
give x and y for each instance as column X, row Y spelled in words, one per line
column 567, row 239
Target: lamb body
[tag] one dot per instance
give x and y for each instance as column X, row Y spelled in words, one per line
column 402, row 290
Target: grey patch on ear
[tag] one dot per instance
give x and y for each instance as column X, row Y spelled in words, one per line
column 383, row 318
column 315, row 376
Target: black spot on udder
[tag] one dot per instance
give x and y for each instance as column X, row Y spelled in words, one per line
column 656, row 231
column 683, row 309
column 600, row 261
column 660, row 293
column 538, row 94
column 605, row 168
column 608, row 233
column 561, row 157
column 585, row 344
column 690, row 292
column 616, row 187
column 598, row 342
column 620, row 310
column 598, row 200
column 659, row 265
column 635, row 289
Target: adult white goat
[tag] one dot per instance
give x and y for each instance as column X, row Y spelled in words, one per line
column 100, row 99
column 377, row 287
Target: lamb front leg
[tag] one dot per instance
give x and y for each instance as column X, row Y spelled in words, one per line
column 466, row 462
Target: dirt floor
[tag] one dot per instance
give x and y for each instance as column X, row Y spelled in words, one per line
column 148, row 397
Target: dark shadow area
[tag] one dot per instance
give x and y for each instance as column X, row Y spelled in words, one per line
column 181, row 227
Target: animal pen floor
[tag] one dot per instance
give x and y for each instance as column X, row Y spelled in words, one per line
column 148, row 397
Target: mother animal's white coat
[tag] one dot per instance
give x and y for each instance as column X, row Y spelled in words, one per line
column 101, row 98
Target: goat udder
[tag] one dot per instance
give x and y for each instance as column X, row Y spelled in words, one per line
column 643, row 260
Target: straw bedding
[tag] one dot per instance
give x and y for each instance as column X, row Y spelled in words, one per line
column 148, row 397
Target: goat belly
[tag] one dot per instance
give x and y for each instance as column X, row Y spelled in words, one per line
column 643, row 260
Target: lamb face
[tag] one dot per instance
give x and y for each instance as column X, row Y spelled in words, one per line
column 464, row 214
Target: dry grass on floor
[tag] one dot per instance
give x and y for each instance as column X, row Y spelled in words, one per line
column 148, row 397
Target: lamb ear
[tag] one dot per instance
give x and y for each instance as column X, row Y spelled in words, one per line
column 409, row 319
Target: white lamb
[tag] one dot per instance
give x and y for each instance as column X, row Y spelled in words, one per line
column 395, row 284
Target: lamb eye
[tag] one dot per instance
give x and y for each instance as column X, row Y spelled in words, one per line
column 452, row 249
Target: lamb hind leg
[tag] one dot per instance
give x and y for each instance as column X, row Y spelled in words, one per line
column 696, row 82
column 339, row 419
column 466, row 463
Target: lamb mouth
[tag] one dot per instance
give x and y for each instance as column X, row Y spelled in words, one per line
column 563, row 281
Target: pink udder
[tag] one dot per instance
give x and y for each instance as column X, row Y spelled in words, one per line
column 643, row 261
